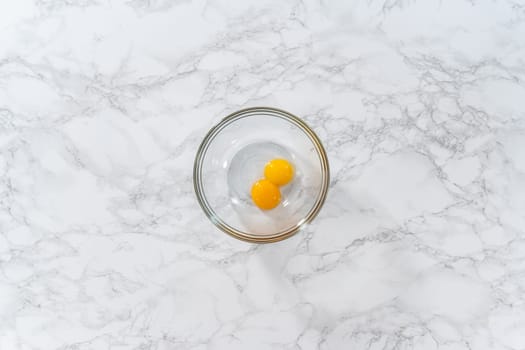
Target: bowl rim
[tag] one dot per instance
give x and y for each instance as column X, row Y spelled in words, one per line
column 210, row 213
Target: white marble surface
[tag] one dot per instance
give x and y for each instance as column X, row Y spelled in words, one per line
column 421, row 105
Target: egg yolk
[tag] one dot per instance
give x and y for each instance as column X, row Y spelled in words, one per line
column 265, row 194
column 278, row 171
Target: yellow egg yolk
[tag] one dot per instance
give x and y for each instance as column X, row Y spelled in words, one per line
column 278, row 171
column 265, row 194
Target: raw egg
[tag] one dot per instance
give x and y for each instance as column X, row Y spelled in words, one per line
column 265, row 194
column 278, row 171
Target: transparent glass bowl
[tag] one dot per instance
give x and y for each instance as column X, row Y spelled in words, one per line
column 232, row 157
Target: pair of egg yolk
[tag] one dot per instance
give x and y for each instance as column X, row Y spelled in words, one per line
column 265, row 192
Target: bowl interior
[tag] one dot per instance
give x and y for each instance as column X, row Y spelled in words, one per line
column 232, row 157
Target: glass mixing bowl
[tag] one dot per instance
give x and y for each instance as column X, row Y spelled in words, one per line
column 232, row 157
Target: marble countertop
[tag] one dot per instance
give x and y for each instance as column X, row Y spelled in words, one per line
column 421, row 107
